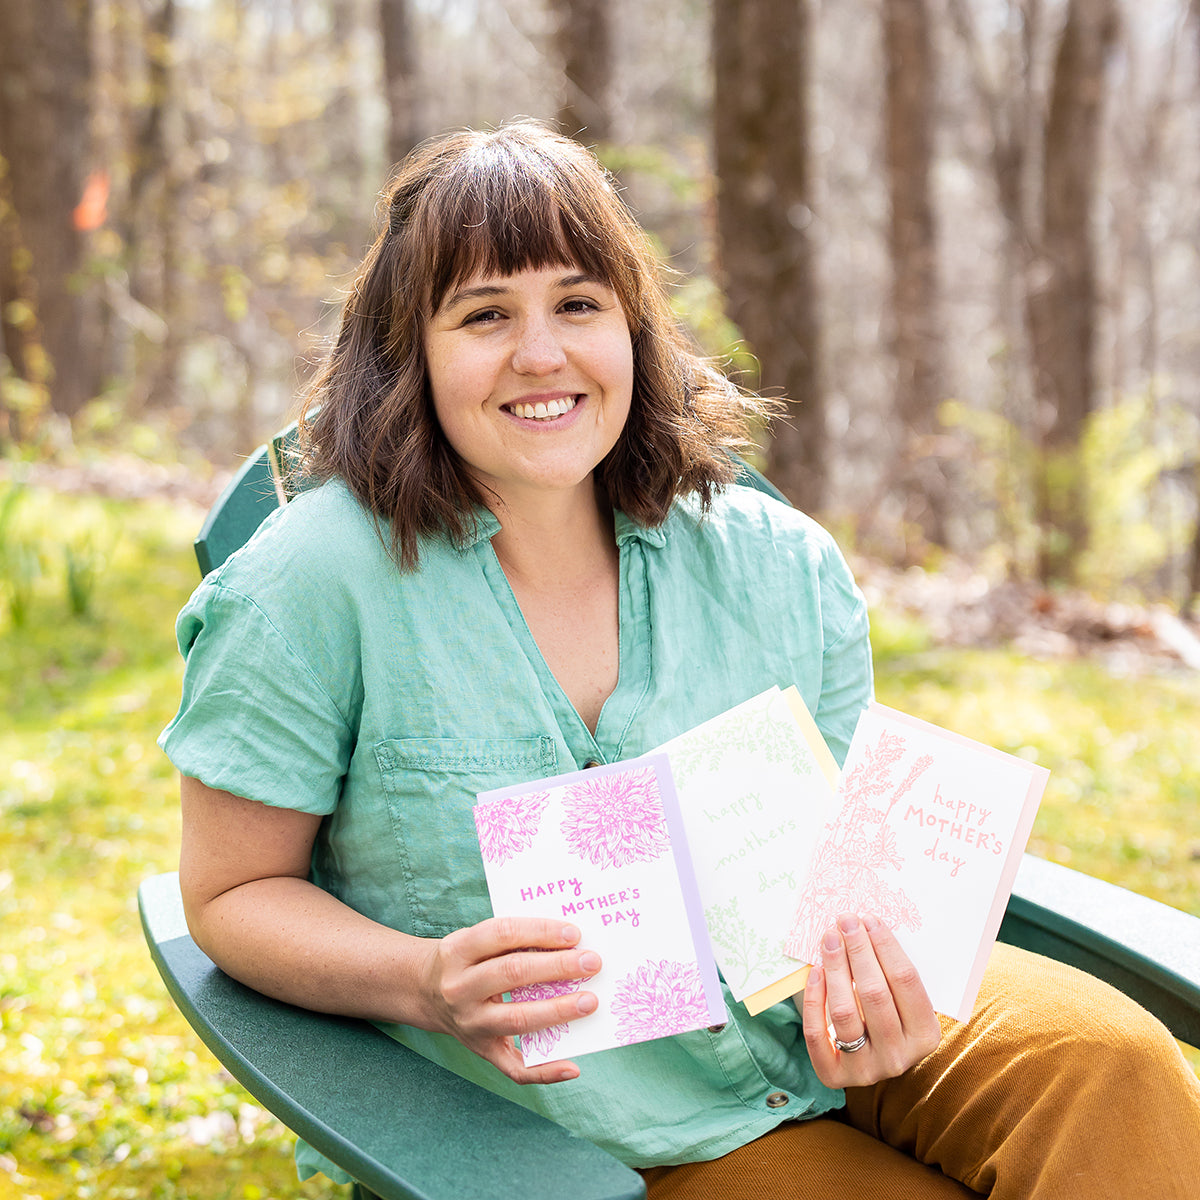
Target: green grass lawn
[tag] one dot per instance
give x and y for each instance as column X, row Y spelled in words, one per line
column 104, row 1092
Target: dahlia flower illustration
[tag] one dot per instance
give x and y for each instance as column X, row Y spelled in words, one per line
column 507, row 827
column 616, row 819
column 543, row 1041
column 659, row 999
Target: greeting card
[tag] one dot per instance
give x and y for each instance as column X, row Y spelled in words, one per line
column 605, row 849
column 754, row 787
column 926, row 831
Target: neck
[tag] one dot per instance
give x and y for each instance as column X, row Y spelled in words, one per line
column 554, row 536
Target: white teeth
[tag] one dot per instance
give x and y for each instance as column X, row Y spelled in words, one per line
column 544, row 410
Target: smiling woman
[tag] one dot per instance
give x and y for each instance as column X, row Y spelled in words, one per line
column 467, row 212
column 531, row 377
column 521, row 553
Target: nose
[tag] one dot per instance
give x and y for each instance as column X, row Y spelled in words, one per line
column 538, row 349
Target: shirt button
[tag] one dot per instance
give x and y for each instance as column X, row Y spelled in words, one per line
column 777, row 1099
column 717, row 1028
column 591, row 762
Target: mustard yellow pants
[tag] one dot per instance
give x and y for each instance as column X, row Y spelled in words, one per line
column 1058, row 1088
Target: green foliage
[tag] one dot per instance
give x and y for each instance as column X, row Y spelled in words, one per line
column 1113, row 485
column 1002, row 470
column 1134, row 526
column 46, row 563
column 19, row 565
column 700, row 305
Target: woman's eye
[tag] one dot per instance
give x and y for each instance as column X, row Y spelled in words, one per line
column 482, row 318
column 579, row 305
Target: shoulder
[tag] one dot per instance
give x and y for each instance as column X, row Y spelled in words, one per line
column 295, row 577
column 321, row 532
column 756, row 553
column 320, row 573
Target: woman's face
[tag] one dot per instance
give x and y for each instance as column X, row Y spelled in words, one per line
column 531, row 376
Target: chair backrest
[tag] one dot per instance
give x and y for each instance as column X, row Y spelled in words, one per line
column 265, row 482
column 248, row 499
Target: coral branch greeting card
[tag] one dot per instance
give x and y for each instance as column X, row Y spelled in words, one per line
column 754, row 787
column 605, row 849
column 926, row 831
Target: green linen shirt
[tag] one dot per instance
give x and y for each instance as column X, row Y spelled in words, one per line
column 320, row 678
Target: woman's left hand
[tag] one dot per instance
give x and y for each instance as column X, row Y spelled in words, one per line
column 866, row 989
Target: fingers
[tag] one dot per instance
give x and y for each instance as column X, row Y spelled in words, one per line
column 498, row 955
column 908, row 992
column 537, row 959
column 866, row 986
column 816, row 1031
column 501, row 935
column 508, row 1059
column 850, row 967
column 859, row 986
column 522, row 1015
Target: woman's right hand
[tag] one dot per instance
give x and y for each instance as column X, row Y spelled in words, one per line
column 468, row 971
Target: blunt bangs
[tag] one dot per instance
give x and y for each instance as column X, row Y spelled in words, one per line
column 510, row 207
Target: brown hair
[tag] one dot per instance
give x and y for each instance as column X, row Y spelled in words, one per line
column 497, row 203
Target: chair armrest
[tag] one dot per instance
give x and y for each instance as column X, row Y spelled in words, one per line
column 1149, row 950
column 401, row 1125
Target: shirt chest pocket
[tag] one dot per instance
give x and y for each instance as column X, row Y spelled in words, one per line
column 431, row 785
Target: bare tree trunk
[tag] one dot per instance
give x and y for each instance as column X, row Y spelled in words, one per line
column 584, row 37
column 45, row 69
column 1062, row 296
column 153, row 210
column 764, row 211
column 400, row 77
column 1009, row 96
column 916, row 324
column 343, row 120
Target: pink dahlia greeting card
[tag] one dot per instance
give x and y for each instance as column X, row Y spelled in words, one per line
column 604, row 848
column 926, row 831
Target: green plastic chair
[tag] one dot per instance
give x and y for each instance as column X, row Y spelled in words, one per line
column 409, row 1130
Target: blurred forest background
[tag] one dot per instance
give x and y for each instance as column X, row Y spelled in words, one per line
column 961, row 236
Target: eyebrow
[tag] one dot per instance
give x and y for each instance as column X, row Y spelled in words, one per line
column 488, row 290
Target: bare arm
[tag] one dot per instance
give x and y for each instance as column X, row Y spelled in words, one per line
column 244, row 875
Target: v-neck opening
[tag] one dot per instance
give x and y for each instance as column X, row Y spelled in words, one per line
column 633, row 656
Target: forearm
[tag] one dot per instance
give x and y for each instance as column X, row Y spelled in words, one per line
column 291, row 940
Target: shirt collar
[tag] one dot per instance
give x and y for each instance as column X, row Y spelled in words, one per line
column 627, row 529
column 486, row 526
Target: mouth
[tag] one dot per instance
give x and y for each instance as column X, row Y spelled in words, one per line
column 542, row 410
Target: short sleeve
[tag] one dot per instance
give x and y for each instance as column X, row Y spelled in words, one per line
column 254, row 718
